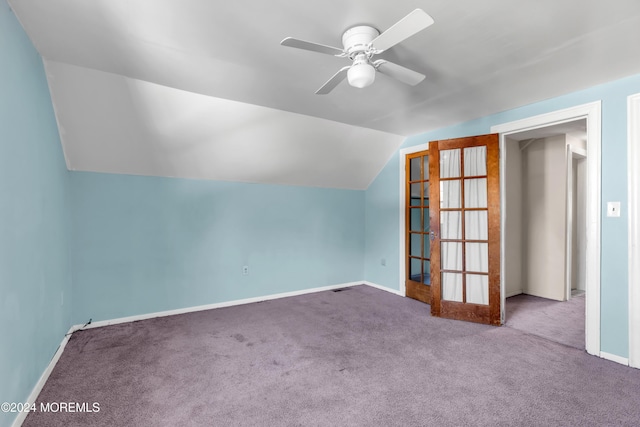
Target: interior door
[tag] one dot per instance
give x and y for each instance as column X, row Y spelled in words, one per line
column 465, row 228
column 418, row 259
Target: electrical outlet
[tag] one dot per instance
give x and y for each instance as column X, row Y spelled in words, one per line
column 245, row 270
column 383, row 261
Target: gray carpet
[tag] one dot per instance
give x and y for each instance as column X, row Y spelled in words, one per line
column 360, row 357
column 559, row 321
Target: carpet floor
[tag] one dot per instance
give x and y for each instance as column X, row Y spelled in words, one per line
column 360, row 357
column 559, row 321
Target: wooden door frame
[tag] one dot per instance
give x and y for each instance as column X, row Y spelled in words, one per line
column 592, row 113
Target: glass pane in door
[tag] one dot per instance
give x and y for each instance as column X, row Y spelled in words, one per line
column 477, row 289
column 414, row 194
column 425, row 167
column 426, row 193
column 475, row 161
column 452, row 286
column 415, row 219
column 475, row 193
column 415, row 272
column 475, row 225
column 451, row 256
column 426, row 220
column 450, row 163
column 450, row 194
column 427, row 246
column 426, row 276
column 414, row 174
column 477, row 257
column 415, row 247
column 450, row 225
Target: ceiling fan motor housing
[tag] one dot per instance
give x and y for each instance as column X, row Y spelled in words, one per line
column 357, row 39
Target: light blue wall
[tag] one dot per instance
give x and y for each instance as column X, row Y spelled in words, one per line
column 147, row 244
column 382, row 199
column 34, row 226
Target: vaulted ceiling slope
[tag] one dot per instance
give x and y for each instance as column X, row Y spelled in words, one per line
column 203, row 89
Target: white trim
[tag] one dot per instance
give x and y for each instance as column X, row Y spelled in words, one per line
column 592, row 112
column 192, row 309
column 17, row 422
column 403, row 177
column 568, row 226
column 384, row 288
column 633, row 187
column 572, row 154
column 614, row 358
column 578, row 153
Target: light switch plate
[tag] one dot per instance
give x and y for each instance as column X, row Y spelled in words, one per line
column 613, row 209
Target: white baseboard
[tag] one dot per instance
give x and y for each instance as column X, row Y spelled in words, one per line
column 128, row 319
column 540, row 295
column 102, row 323
column 614, row 358
column 384, row 288
column 43, row 379
column 513, row 293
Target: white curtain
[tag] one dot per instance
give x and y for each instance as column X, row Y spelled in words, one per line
column 476, row 225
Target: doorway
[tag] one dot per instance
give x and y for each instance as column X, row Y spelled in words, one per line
column 592, row 113
column 545, row 186
column 545, row 229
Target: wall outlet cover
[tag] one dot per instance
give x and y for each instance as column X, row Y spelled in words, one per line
column 613, row 209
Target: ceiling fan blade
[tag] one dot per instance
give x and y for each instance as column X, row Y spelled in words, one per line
column 411, row 24
column 333, row 81
column 399, row 72
column 314, row 47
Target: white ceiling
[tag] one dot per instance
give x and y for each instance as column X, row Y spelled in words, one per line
column 115, row 124
column 202, row 88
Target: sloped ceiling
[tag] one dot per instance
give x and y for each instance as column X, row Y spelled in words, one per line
column 202, row 88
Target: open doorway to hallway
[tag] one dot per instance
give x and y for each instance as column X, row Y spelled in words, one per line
column 545, row 231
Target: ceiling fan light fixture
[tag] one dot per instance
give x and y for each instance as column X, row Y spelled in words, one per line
column 361, row 74
column 360, row 44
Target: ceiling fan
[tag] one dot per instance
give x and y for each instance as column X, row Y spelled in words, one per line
column 361, row 43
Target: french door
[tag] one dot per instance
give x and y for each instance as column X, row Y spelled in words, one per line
column 452, row 236
column 417, row 243
column 464, row 229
